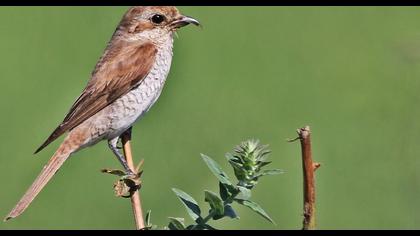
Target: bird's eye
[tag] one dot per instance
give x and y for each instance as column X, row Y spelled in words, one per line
column 157, row 19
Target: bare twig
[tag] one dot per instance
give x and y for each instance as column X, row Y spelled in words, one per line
column 309, row 168
column 135, row 198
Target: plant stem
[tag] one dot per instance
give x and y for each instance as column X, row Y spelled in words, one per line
column 228, row 201
column 207, row 218
column 309, row 168
column 135, row 198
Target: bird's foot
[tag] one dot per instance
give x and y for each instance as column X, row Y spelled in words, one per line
column 128, row 183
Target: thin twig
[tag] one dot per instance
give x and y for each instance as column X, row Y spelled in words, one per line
column 135, row 198
column 309, row 168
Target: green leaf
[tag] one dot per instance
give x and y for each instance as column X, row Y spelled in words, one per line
column 230, row 212
column 215, row 202
column 239, row 170
column 255, row 207
column 148, row 218
column 230, row 157
column 263, row 154
column 269, row 172
column 224, row 194
column 244, row 193
column 148, row 221
column 263, row 163
column 200, row 227
column 190, row 204
column 217, row 171
column 217, row 217
column 208, row 227
column 114, row 172
column 176, row 223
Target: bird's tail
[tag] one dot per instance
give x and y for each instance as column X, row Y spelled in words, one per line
column 56, row 161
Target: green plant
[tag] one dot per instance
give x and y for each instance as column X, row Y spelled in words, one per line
column 247, row 161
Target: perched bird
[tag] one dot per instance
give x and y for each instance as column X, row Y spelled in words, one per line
column 124, row 85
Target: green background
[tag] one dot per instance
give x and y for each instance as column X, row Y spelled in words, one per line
column 351, row 73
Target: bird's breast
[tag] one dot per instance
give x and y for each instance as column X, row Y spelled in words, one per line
column 130, row 107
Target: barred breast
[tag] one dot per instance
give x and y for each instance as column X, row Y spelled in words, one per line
column 116, row 118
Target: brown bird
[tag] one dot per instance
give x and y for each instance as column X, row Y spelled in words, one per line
column 125, row 83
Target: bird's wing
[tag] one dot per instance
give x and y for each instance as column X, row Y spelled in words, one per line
column 117, row 72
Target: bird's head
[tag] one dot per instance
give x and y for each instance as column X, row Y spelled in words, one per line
column 153, row 23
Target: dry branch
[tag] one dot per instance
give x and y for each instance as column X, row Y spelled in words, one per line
column 135, row 198
column 309, row 168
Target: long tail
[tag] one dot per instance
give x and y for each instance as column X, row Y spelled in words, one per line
column 56, row 161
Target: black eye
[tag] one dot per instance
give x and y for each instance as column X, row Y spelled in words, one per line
column 157, row 19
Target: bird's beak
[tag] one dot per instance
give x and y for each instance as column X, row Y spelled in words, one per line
column 183, row 21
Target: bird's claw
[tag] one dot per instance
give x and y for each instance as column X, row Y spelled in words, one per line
column 128, row 183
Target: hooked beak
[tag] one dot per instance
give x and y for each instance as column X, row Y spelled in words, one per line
column 183, row 21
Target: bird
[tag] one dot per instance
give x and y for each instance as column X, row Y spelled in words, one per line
column 125, row 83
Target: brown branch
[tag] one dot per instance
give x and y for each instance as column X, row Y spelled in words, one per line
column 135, row 197
column 309, row 168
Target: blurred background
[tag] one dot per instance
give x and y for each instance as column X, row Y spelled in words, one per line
column 351, row 73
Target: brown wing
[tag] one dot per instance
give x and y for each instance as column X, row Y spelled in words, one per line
column 117, row 72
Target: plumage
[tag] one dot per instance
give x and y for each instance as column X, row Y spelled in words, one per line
column 117, row 72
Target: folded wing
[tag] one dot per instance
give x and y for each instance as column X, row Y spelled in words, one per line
column 120, row 70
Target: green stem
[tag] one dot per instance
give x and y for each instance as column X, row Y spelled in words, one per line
column 228, row 201
column 207, row 218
